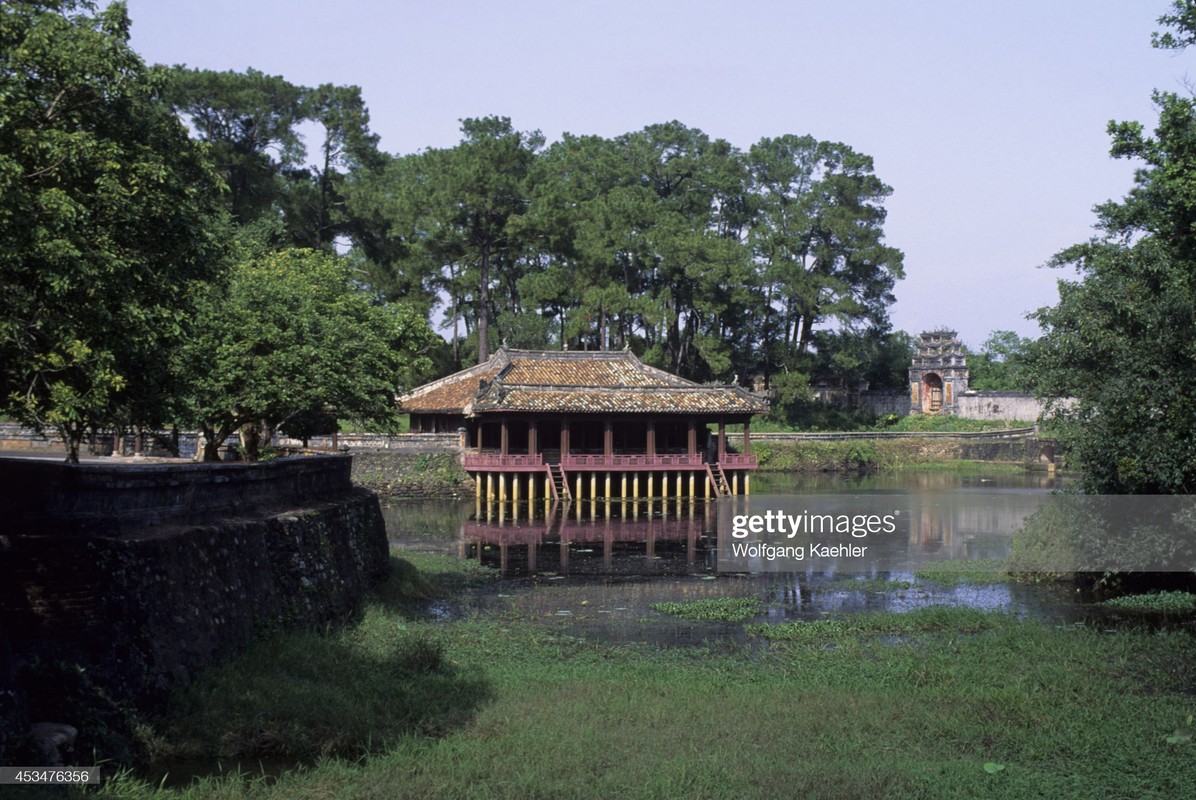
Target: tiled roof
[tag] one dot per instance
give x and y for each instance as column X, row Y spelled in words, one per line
column 498, row 396
column 451, row 394
column 533, row 380
column 532, row 368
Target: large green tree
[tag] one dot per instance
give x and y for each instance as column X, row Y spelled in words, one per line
column 1122, row 340
column 818, row 240
column 1000, row 364
column 108, row 216
column 483, row 189
column 288, row 336
column 703, row 259
column 283, row 191
column 249, row 121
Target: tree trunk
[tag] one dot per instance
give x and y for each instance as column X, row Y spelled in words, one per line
column 807, row 325
column 211, row 443
column 251, row 437
column 72, row 437
column 484, row 306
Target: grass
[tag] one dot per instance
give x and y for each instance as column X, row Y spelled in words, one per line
column 351, row 693
column 922, row 620
column 717, row 609
column 980, row 570
column 1167, row 602
column 925, row 423
column 961, row 704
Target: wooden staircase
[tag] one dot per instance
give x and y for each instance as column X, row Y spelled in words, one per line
column 718, row 480
column 560, row 484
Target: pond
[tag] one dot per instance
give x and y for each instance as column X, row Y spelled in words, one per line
column 598, row 569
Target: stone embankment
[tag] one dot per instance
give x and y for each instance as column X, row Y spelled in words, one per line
column 122, row 582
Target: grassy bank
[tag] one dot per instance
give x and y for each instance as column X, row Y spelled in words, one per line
column 931, row 705
column 856, row 455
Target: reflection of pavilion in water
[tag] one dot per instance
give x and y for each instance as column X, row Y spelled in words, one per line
column 620, row 538
column 968, row 525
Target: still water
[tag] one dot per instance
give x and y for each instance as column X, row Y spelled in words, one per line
column 597, row 569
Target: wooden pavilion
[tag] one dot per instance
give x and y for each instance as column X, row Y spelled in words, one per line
column 602, row 420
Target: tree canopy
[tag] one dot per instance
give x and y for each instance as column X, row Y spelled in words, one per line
column 109, row 213
column 1122, row 339
column 706, row 260
column 149, row 215
column 289, row 336
column 1000, row 365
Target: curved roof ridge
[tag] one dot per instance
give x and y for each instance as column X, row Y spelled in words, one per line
column 451, row 378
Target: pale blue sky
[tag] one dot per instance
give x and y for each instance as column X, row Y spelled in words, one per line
column 987, row 118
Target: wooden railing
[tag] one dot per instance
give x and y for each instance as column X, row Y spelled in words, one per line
column 495, row 461
column 630, row 461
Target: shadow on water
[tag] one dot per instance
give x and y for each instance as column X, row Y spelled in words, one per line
column 596, row 569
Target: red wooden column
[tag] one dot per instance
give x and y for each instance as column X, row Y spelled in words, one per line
column 722, row 440
column 481, row 427
column 747, row 437
column 504, row 440
column 564, row 437
column 693, row 437
column 652, row 438
column 532, row 437
column 608, row 440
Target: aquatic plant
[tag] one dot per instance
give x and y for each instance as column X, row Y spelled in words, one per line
column 717, row 609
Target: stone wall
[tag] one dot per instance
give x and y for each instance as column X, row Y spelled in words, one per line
column 161, row 443
column 998, row 405
column 969, row 405
column 108, row 499
column 884, row 403
column 353, row 442
column 398, row 473
column 103, row 622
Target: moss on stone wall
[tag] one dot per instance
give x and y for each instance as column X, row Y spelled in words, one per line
column 406, row 474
